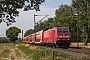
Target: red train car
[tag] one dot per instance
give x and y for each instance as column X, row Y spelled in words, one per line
column 48, row 36
column 25, row 39
column 39, row 37
column 30, row 39
column 33, row 38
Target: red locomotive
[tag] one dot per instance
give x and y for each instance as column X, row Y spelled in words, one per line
column 57, row 36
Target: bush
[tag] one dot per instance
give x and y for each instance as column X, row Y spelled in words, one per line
column 18, row 42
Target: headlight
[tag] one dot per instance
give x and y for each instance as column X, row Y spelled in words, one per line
column 68, row 39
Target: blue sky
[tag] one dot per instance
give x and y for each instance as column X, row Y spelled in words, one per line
column 25, row 19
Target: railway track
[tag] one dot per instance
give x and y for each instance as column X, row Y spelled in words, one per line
column 79, row 52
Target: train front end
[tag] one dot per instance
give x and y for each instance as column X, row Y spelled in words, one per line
column 63, row 36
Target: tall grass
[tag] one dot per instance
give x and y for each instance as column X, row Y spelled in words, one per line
column 25, row 50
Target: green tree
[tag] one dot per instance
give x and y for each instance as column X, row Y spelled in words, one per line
column 12, row 33
column 28, row 32
column 37, row 27
column 9, row 8
column 63, row 15
column 50, row 22
column 82, row 9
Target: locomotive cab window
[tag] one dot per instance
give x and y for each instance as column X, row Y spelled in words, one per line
column 62, row 30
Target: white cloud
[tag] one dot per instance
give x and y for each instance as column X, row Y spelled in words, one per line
column 25, row 20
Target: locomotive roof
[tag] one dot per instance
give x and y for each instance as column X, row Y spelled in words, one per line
column 48, row 30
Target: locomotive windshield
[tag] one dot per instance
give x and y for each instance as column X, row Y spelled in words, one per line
column 62, row 30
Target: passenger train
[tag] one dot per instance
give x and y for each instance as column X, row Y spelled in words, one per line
column 56, row 37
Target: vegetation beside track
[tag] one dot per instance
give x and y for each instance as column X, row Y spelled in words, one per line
column 39, row 53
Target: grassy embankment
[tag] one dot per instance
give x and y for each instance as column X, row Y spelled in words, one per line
column 39, row 53
column 5, row 50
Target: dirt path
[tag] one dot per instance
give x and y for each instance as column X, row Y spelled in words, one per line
column 12, row 54
column 23, row 56
column 16, row 54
